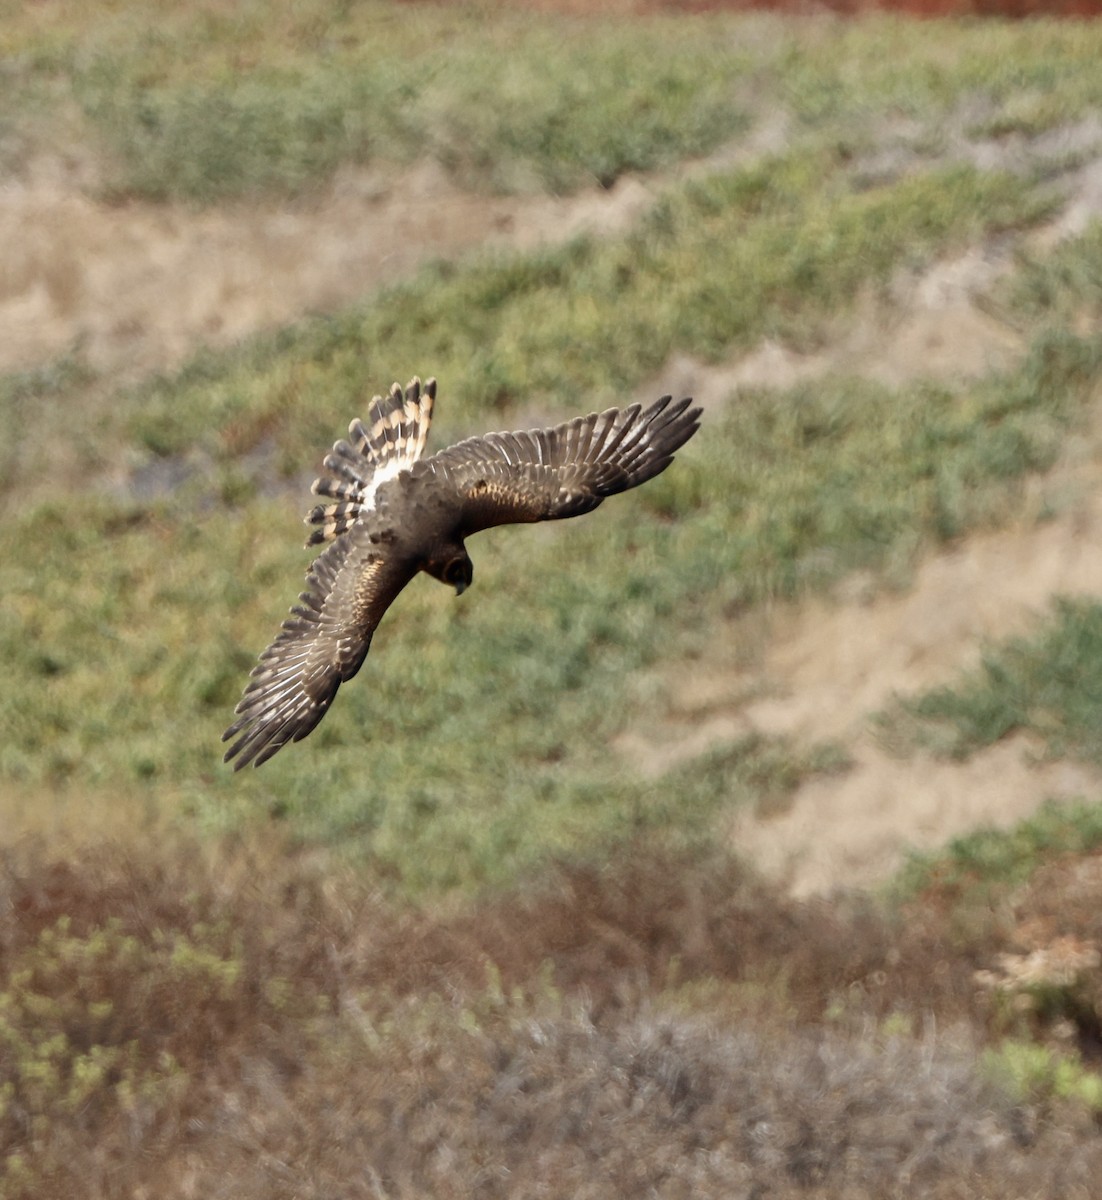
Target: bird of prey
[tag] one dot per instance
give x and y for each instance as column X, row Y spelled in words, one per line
column 395, row 512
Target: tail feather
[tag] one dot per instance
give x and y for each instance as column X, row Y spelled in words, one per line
column 399, row 423
column 336, row 489
column 393, row 440
column 334, row 520
column 349, row 464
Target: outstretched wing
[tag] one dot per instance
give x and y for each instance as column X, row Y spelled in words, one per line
column 547, row 474
column 321, row 644
column 393, row 439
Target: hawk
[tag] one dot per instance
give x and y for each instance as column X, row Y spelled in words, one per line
column 395, row 513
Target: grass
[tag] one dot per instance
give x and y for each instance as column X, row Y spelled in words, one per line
column 590, row 319
column 204, row 103
column 847, row 473
column 115, row 696
column 455, row 943
column 124, row 672
column 1046, row 684
column 240, row 105
column 110, row 685
column 1005, row 859
column 1062, row 288
column 987, row 78
column 281, row 132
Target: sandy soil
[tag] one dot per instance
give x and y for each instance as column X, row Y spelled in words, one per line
column 828, row 667
column 136, row 287
column 822, row 669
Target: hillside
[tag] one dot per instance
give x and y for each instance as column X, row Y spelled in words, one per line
column 754, row 854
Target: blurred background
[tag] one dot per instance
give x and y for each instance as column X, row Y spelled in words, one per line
column 739, row 839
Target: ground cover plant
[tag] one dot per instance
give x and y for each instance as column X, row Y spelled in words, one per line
column 588, row 319
column 774, row 536
column 1044, row 684
column 205, row 103
column 779, row 498
column 460, row 941
column 210, row 104
column 254, row 1024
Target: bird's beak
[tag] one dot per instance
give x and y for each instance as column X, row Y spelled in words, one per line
column 460, row 588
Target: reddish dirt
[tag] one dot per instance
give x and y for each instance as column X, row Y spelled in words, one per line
column 1016, row 9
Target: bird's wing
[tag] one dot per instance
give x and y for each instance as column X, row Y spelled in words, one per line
column 547, row 474
column 321, row 644
column 393, row 439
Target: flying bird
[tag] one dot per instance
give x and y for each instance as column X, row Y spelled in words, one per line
column 394, row 513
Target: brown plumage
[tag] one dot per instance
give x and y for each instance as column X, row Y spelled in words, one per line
column 397, row 513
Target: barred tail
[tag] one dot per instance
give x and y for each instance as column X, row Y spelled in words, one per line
column 399, row 424
column 394, row 440
column 334, row 519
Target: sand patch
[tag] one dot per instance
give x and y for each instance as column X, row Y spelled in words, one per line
column 855, row 829
column 136, row 286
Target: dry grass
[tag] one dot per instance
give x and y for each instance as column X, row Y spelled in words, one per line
column 177, row 1020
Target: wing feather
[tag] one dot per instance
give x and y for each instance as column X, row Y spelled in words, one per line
column 549, row 474
column 320, row 645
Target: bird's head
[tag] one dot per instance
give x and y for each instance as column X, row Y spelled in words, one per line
column 456, row 570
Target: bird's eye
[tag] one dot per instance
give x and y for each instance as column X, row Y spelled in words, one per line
column 458, row 572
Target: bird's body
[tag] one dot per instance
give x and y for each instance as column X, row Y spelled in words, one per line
column 396, row 513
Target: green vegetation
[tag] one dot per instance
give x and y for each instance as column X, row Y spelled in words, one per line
column 122, row 676
column 1005, row 858
column 459, row 941
column 846, row 473
column 129, row 634
column 205, row 102
column 1047, row 684
column 589, row 319
column 249, row 102
column 1032, row 1072
column 118, row 687
column 282, row 131
column 110, row 685
column 1062, row 288
column 989, row 79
